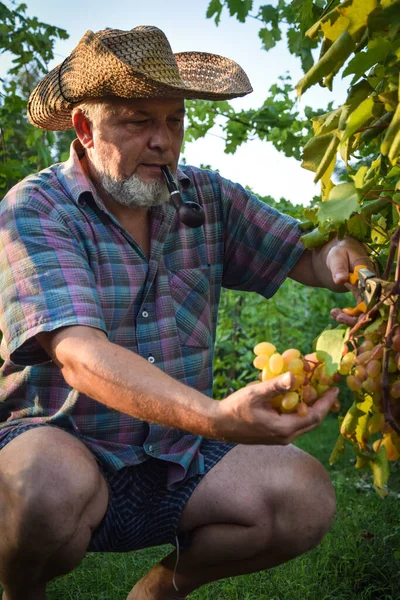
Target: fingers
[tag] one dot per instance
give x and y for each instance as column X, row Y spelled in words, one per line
column 338, row 315
column 343, row 257
column 296, row 425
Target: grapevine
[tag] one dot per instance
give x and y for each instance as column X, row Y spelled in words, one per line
column 362, row 135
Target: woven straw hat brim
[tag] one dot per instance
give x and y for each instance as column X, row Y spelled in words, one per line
column 133, row 64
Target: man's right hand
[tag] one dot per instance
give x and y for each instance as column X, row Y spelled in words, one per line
column 247, row 416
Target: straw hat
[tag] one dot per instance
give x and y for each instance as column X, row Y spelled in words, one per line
column 131, row 64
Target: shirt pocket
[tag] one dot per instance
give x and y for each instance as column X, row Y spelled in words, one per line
column 190, row 292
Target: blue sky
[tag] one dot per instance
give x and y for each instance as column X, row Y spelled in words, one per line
column 256, row 164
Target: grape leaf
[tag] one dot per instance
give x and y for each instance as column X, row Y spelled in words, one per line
column 332, row 60
column 377, row 51
column 342, row 203
column 329, row 348
column 358, row 118
column 337, row 450
column 380, row 470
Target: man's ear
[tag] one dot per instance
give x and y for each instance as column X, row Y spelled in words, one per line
column 83, row 128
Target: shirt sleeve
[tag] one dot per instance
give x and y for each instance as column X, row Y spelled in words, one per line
column 45, row 278
column 262, row 245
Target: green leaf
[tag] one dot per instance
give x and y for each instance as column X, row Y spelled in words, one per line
column 331, row 61
column 329, row 348
column 358, row 118
column 314, row 239
column 315, row 150
column 380, row 470
column 267, row 38
column 337, row 450
column 342, row 203
column 214, row 8
column 358, row 228
column 377, row 51
column 240, row 8
column 269, row 13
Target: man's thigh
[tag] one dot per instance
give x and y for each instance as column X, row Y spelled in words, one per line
column 252, row 481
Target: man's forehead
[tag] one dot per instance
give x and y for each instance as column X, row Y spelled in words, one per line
column 148, row 106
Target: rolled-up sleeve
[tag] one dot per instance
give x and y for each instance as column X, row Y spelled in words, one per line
column 261, row 246
column 45, row 278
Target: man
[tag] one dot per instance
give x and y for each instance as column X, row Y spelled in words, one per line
column 110, row 439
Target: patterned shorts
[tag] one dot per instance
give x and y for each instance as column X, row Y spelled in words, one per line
column 141, row 511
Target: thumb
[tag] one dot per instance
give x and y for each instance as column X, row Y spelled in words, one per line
column 278, row 385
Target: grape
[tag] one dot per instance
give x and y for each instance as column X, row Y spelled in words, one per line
column 289, row 401
column 377, row 352
column 266, row 374
column 366, row 345
column 395, row 390
column 353, row 383
column 290, row 354
column 323, row 377
column 371, row 385
column 392, row 364
column 261, row 361
column 373, row 368
column 361, row 372
column 336, row 406
column 299, row 380
column 264, row 348
column 306, row 388
column 321, row 389
column 276, row 364
column 309, row 394
column 296, row 366
column 302, row 409
column 363, row 357
column 349, row 359
column 396, row 343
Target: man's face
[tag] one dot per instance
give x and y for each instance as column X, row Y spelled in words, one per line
column 130, row 141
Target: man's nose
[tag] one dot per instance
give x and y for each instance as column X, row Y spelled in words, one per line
column 161, row 137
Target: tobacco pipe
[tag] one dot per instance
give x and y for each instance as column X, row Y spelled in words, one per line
column 190, row 213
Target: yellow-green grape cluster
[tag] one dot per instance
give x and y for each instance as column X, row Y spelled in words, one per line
column 363, row 370
column 311, row 379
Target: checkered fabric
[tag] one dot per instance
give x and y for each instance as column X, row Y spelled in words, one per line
column 65, row 260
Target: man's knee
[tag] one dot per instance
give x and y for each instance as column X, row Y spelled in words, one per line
column 308, row 502
column 50, row 486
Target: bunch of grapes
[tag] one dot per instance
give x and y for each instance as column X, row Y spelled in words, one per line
column 311, row 379
column 363, row 370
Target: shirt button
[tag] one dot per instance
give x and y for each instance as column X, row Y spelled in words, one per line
column 145, row 314
column 150, row 448
column 151, row 359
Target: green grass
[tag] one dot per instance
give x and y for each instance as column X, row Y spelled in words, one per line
column 355, row 561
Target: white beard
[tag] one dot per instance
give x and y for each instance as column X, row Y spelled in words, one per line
column 134, row 192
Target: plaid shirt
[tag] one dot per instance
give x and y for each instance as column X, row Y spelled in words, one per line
column 66, row 260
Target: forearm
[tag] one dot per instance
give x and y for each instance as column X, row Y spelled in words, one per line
column 127, row 383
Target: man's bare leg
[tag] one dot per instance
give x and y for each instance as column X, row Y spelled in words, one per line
column 257, row 508
column 52, row 496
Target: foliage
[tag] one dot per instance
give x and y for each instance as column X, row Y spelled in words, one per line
column 277, row 121
column 364, row 133
column 361, row 139
column 24, row 148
